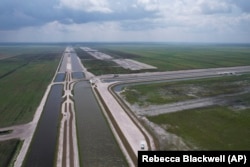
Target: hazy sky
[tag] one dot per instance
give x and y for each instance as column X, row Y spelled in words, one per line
column 125, row 20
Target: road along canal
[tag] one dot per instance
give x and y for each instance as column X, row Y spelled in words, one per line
column 72, row 128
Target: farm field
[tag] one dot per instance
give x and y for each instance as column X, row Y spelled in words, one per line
column 23, row 80
column 171, row 57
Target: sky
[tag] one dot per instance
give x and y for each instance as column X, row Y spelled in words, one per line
column 220, row 21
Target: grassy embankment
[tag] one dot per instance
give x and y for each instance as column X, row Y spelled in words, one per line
column 223, row 127
column 25, row 72
column 170, row 57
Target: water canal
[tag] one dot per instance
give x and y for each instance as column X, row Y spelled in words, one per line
column 42, row 150
column 97, row 145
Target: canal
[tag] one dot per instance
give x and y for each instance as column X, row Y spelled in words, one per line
column 42, row 150
column 97, row 145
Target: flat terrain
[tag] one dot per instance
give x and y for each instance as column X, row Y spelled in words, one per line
column 211, row 128
column 25, row 72
column 170, row 92
column 181, row 56
column 23, row 80
column 222, row 123
column 7, row 150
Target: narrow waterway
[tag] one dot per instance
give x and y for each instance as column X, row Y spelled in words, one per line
column 97, row 145
column 42, row 150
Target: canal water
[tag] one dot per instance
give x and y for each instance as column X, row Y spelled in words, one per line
column 97, row 145
column 42, row 151
column 78, row 75
column 59, row 77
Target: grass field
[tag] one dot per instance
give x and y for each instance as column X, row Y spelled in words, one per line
column 100, row 67
column 169, row 92
column 212, row 128
column 7, row 149
column 23, row 81
column 181, row 56
column 224, row 127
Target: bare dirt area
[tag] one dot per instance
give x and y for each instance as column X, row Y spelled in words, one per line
column 167, row 141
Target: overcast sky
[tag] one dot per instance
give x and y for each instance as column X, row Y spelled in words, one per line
column 125, row 20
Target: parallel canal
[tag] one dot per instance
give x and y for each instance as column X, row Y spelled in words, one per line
column 43, row 147
column 97, row 145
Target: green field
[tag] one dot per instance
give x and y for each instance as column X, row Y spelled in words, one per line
column 212, row 128
column 181, row 56
column 7, row 150
column 23, row 81
column 101, row 67
column 222, row 127
column 169, row 92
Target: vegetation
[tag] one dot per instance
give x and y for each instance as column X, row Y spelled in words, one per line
column 212, row 128
column 181, row 56
column 22, row 85
column 168, row 92
column 7, row 150
column 100, row 67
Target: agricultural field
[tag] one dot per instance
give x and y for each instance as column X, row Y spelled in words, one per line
column 23, row 80
column 171, row 57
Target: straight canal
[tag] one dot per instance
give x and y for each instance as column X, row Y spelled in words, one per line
column 43, row 147
column 96, row 143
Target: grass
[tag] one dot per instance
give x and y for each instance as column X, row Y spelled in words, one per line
column 169, row 92
column 212, row 128
column 101, row 67
column 23, row 87
column 169, row 57
column 7, row 150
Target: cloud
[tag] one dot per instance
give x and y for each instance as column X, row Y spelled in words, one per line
column 86, row 5
column 244, row 5
column 124, row 19
column 214, row 7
